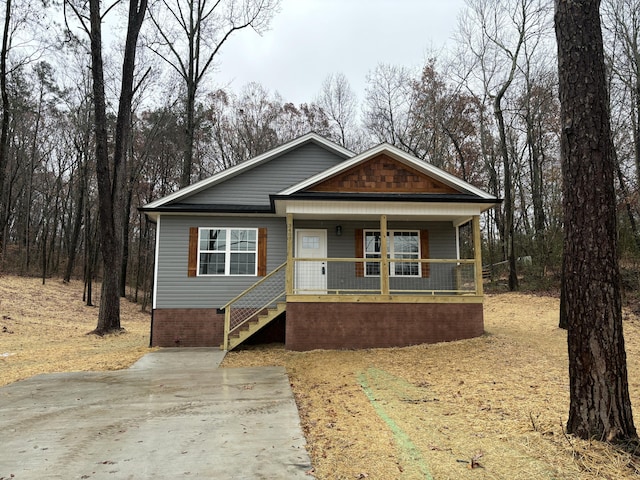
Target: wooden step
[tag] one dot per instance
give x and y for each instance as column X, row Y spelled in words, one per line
column 251, row 327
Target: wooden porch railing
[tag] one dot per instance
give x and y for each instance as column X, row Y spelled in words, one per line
column 351, row 276
column 405, row 276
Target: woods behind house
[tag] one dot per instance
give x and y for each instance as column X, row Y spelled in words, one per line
column 486, row 110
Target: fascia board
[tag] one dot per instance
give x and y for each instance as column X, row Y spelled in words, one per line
column 237, row 169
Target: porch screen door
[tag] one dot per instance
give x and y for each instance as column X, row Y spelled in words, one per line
column 311, row 276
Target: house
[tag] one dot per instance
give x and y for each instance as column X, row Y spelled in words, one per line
column 290, row 243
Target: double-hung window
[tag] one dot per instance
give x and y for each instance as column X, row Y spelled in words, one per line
column 404, row 245
column 228, row 251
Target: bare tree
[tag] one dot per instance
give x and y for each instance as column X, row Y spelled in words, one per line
column 245, row 125
column 80, row 143
column 110, row 173
column 339, row 102
column 623, row 54
column 20, row 47
column 190, row 36
column 294, row 121
column 4, row 127
column 387, row 105
column 621, row 24
column 495, row 33
column 600, row 406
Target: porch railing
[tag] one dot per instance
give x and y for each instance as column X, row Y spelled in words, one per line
column 262, row 295
column 358, row 276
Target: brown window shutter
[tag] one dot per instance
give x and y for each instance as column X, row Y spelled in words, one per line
column 193, row 252
column 424, row 251
column 262, row 252
column 359, row 234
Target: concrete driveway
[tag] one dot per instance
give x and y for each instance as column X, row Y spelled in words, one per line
column 173, row 414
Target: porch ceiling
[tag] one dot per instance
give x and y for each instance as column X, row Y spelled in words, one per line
column 457, row 213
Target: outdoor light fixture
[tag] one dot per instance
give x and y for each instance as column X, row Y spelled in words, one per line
column 338, row 230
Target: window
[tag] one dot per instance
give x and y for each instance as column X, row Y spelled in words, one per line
column 227, row 251
column 405, row 245
column 310, row 242
column 400, row 245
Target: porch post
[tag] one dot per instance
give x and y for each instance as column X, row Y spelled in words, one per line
column 289, row 271
column 384, row 259
column 477, row 252
column 227, row 327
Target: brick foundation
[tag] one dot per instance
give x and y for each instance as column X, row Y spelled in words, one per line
column 370, row 325
column 309, row 326
column 187, row 327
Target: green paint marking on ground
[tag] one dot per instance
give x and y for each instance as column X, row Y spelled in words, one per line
column 402, row 389
column 403, row 440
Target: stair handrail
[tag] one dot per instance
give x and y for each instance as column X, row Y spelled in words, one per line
column 227, row 307
column 255, row 313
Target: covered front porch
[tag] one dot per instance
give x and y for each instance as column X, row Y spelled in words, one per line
column 338, row 286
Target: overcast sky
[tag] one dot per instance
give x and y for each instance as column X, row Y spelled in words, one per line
column 310, row 39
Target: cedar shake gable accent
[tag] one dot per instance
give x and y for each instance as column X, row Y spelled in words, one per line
column 382, row 174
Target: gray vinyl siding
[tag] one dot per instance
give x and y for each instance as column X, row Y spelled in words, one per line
column 442, row 244
column 254, row 186
column 175, row 290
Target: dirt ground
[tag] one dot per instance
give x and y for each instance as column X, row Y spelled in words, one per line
column 497, row 403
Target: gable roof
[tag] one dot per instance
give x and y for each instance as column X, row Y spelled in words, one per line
column 410, row 161
column 249, row 164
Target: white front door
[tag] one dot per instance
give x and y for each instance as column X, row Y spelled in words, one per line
column 311, row 276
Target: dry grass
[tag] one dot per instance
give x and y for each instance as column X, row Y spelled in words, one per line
column 43, row 329
column 380, row 414
column 430, row 409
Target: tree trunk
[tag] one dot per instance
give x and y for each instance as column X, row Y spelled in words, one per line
column 189, row 132
column 4, row 128
column 137, row 10
column 508, row 194
column 91, row 256
column 111, row 183
column 125, row 241
column 45, row 237
column 109, row 315
column 539, row 220
column 77, row 220
column 600, row 407
column 635, row 98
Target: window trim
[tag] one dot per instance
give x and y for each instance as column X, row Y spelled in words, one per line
column 228, row 252
column 391, row 253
